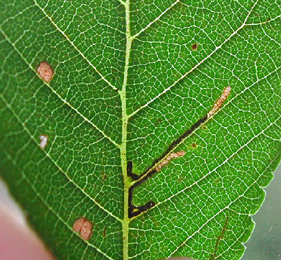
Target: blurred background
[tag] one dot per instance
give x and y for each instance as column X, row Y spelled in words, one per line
column 265, row 243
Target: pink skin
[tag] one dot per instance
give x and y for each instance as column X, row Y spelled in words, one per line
column 18, row 241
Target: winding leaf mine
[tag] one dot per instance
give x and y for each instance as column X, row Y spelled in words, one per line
column 140, row 129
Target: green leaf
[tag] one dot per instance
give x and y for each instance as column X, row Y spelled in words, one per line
column 134, row 83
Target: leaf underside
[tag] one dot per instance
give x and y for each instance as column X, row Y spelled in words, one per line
column 133, row 83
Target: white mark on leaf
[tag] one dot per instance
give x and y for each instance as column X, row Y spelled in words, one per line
column 43, row 141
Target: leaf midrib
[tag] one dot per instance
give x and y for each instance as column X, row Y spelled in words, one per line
column 126, row 220
column 134, row 37
column 126, row 117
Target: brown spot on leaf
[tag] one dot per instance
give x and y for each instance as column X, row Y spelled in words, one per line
column 84, row 227
column 104, row 232
column 256, row 14
column 45, row 71
column 155, row 221
column 194, row 46
column 180, row 179
column 78, row 224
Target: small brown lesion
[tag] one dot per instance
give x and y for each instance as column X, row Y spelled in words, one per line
column 45, row 71
column 181, row 178
column 216, row 181
column 256, row 14
column 194, row 46
column 194, row 145
column 104, row 232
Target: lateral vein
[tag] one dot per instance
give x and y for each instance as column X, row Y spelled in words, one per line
column 58, row 95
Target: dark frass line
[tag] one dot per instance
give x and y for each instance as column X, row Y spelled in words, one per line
column 162, row 160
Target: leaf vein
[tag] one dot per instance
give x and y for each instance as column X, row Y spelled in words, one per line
column 197, row 65
column 226, row 207
column 58, row 95
column 81, row 53
column 55, row 163
column 156, row 19
column 216, row 168
column 24, row 176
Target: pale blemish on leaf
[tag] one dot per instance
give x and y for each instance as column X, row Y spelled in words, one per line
column 220, row 101
column 84, row 227
column 169, row 158
column 43, row 141
column 45, row 71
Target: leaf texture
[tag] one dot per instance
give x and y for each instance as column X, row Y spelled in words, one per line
column 133, row 84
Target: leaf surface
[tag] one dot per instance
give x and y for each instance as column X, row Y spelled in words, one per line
column 134, row 83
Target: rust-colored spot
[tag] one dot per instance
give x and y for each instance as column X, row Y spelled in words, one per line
column 45, row 71
column 103, row 176
column 194, row 145
column 104, row 232
column 155, row 221
column 180, row 179
column 84, row 227
column 194, row 46
column 78, row 224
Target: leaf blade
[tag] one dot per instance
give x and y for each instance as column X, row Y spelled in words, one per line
column 96, row 126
